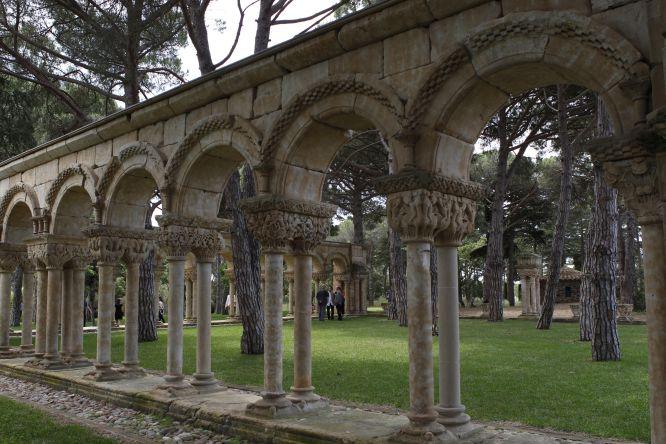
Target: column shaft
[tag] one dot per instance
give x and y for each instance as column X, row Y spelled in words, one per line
column 53, row 296
column 174, row 373
column 273, row 324
column 105, row 315
column 66, row 315
column 28, row 297
column 203, row 376
column 76, row 309
column 189, row 288
column 451, row 411
column 302, row 389
column 655, row 299
column 40, row 318
column 291, row 296
column 523, row 294
column 422, row 415
column 5, row 308
column 131, row 358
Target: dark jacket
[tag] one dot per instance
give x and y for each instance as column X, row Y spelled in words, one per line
column 338, row 298
column 322, row 297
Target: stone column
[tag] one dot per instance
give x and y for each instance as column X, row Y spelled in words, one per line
column 105, row 311
column 302, row 392
column 421, row 206
column 131, row 356
column 523, row 294
column 534, row 304
column 66, row 314
column 290, row 292
column 28, row 297
column 189, row 290
column 5, row 308
column 40, row 318
column 204, row 379
column 53, row 295
column 174, row 373
column 77, row 356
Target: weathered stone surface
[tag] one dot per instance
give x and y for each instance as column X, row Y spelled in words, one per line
column 582, row 6
column 405, row 51
column 368, row 59
column 268, row 97
column 443, row 8
column 312, row 51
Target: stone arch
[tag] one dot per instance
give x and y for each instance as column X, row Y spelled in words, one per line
column 133, row 156
column 321, row 117
column 18, row 206
column 511, row 55
column 70, row 200
column 203, row 162
column 340, row 262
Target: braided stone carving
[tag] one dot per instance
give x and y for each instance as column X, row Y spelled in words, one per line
column 316, row 94
column 74, row 170
column 13, row 191
column 278, row 222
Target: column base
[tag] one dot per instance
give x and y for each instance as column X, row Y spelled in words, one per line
column 28, row 349
column 9, row 353
column 175, row 386
column 206, row 383
column 421, row 431
column 306, row 400
column 457, row 421
column 104, row 372
column 52, row 363
column 34, row 361
column 79, row 360
column 131, row 371
column 273, row 405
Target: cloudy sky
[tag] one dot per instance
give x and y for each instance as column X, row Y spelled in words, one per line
column 221, row 42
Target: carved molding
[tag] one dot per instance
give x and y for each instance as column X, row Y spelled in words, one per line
column 13, row 255
column 278, row 222
column 167, row 218
column 424, row 215
column 638, row 183
column 55, row 251
column 414, row 179
column 74, row 170
column 13, row 191
column 311, row 97
column 111, row 244
column 177, row 241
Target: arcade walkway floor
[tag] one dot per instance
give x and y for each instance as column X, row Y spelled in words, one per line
column 510, row 372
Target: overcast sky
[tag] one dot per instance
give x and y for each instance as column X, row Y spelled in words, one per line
column 227, row 11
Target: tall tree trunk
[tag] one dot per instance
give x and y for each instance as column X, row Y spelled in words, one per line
column 629, row 280
column 605, row 341
column 219, row 293
column 564, row 208
column 493, row 273
column 357, row 220
column 585, row 321
column 17, row 300
column 195, row 15
column 246, row 252
column 147, row 321
column 510, row 272
column 263, row 35
column 398, row 283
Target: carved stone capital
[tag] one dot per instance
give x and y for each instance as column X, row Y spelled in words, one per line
column 638, row 183
column 422, row 215
column 179, row 236
column 278, row 222
column 111, row 244
column 11, row 256
column 55, row 251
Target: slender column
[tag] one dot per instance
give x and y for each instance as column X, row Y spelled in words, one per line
column 189, row 288
column 105, row 312
column 273, row 402
column 53, row 296
column 290, row 283
column 422, row 415
column 524, row 292
column 174, row 373
column 233, row 306
column 66, row 315
column 451, row 410
column 195, row 298
column 40, row 335
column 5, row 307
column 28, row 297
column 302, row 391
column 131, row 358
column 654, row 243
column 204, row 377
column 77, row 357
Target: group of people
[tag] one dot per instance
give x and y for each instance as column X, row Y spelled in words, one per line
column 328, row 301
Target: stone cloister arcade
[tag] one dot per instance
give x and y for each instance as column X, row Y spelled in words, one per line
column 428, row 74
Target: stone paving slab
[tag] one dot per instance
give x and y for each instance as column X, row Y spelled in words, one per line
column 224, row 412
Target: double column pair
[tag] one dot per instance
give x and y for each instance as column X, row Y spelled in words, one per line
column 437, row 213
column 9, row 260
column 205, row 242
column 110, row 246
column 60, row 264
column 283, row 225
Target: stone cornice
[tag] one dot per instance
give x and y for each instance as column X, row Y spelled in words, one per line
column 271, row 202
column 167, row 219
column 642, row 142
column 414, row 179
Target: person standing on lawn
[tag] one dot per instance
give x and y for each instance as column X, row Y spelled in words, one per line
column 339, row 301
column 330, row 308
column 322, row 298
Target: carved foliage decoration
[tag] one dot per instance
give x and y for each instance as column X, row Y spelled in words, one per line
column 177, row 240
column 314, row 95
column 414, row 179
column 278, row 222
column 112, row 244
column 422, row 215
column 12, row 255
column 637, row 181
column 56, row 251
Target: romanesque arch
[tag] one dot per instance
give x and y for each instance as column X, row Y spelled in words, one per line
column 511, row 55
column 127, row 184
column 70, row 200
column 198, row 170
column 17, row 208
column 304, row 140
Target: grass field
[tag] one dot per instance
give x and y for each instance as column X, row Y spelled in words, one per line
column 20, row 424
column 510, row 371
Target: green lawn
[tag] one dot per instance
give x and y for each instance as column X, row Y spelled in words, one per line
column 510, row 371
column 21, row 424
